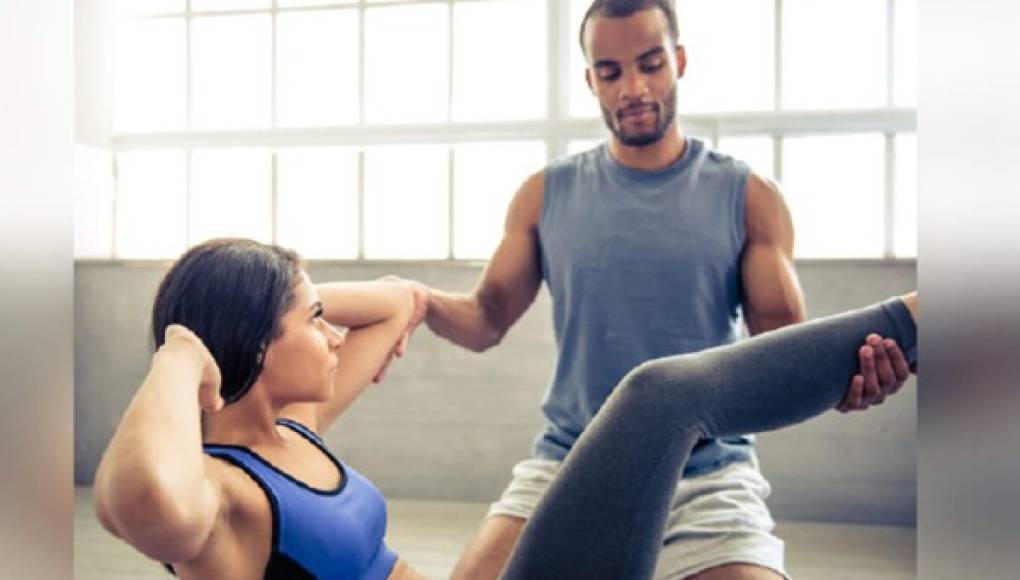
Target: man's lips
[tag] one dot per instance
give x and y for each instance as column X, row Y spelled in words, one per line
column 637, row 113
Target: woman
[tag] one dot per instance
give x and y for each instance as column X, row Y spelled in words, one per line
column 241, row 486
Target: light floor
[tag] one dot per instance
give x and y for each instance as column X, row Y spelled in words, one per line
column 430, row 536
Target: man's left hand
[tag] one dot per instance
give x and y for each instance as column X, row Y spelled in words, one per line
column 883, row 371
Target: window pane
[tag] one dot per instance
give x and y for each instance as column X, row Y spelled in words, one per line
column 905, row 224
column 150, row 74
column 317, row 201
column 151, row 189
column 906, row 53
column 495, row 75
column 230, row 66
column 294, row 3
column 486, row 176
column 721, row 74
column 835, row 187
column 230, row 4
column 129, row 8
column 93, row 202
column 407, row 210
column 834, row 54
column 317, row 67
column 582, row 102
column 582, row 145
column 757, row 152
column 231, row 195
column 407, row 64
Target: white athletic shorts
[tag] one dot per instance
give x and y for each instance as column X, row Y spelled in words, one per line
column 716, row 518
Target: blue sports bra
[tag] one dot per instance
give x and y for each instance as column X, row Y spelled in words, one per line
column 326, row 535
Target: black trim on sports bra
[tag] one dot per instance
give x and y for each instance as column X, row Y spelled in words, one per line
column 336, row 462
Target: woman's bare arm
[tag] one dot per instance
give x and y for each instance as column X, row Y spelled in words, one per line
column 151, row 488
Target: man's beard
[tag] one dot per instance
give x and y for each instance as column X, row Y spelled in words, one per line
column 664, row 117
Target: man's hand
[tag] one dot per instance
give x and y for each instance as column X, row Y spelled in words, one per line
column 420, row 295
column 883, row 370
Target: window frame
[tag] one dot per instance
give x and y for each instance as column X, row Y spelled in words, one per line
column 556, row 129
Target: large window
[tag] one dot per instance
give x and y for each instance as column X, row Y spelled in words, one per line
column 399, row 129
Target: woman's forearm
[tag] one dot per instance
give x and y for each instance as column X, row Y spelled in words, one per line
column 358, row 304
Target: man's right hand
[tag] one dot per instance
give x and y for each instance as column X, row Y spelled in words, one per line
column 420, row 296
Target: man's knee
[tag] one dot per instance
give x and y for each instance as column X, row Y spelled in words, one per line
column 488, row 552
column 737, row 572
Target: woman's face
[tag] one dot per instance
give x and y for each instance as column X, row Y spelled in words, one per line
column 300, row 365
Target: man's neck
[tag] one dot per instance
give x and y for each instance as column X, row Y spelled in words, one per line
column 654, row 157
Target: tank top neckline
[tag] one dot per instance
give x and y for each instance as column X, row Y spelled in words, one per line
column 642, row 176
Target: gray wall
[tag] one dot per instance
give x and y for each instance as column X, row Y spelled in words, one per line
column 449, row 424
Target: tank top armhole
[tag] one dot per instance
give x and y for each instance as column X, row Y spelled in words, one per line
column 739, row 198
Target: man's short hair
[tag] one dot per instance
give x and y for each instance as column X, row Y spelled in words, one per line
column 624, row 8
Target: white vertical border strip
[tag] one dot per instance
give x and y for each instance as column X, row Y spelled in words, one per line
column 115, row 203
column 361, row 203
column 362, row 17
column 890, row 196
column 449, row 61
column 557, row 76
column 275, row 195
column 188, row 123
column 890, row 137
column 273, row 92
column 273, row 153
column 188, row 153
column 450, row 210
column 777, row 48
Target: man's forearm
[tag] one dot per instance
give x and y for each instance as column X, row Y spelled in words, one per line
column 463, row 319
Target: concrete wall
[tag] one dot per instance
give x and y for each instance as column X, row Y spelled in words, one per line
column 449, row 424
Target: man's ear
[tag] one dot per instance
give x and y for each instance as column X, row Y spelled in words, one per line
column 587, row 80
column 681, row 60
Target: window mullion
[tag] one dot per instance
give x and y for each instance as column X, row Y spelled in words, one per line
column 890, row 195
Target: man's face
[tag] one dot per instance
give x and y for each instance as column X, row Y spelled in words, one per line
column 633, row 67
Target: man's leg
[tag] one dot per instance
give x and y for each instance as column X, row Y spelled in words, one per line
column 486, row 555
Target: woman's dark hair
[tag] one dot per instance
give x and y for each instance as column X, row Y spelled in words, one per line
column 231, row 293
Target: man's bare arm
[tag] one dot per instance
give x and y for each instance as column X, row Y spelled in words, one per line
column 478, row 320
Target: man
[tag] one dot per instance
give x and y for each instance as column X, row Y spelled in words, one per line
column 651, row 245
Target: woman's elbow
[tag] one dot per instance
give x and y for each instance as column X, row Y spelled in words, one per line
column 160, row 527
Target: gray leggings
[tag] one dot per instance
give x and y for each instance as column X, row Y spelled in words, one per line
column 604, row 514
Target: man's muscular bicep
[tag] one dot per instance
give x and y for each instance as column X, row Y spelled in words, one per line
column 772, row 294
column 512, row 277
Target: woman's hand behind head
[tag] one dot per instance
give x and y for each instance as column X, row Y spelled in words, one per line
column 180, row 339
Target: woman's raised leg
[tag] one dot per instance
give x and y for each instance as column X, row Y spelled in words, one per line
column 604, row 515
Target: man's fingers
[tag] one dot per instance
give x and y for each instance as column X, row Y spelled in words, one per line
column 871, row 388
column 402, row 344
column 899, row 363
column 853, row 394
column 883, row 368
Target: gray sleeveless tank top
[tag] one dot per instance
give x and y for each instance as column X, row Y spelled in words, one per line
column 640, row 265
